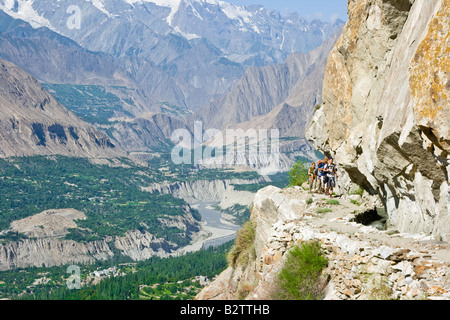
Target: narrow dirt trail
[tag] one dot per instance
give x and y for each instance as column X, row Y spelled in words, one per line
column 340, row 220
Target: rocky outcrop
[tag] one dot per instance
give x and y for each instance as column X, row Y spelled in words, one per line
column 32, row 122
column 364, row 263
column 142, row 245
column 43, row 241
column 208, row 190
column 385, row 116
column 48, row 224
column 51, row 252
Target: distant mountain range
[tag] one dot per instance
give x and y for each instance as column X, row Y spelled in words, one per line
column 54, row 58
column 296, row 82
column 138, row 70
column 184, row 51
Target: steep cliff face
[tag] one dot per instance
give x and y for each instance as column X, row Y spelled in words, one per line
column 32, row 122
column 203, row 190
column 385, row 116
column 364, row 263
column 51, row 252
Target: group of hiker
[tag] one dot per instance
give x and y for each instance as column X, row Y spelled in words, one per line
column 322, row 177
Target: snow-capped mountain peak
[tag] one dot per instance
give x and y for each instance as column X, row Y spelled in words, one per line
column 100, row 5
column 249, row 35
column 233, row 12
column 174, row 5
column 24, row 10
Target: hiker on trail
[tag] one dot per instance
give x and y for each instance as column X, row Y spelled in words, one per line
column 312, row 176
column 331, row 174
column 321, row 174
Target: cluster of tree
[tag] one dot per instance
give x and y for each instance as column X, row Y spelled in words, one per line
column 92, row 103
column 298, row 174
column 184, row 172
column 209, row 263
column 180, row 290
column 111, row 197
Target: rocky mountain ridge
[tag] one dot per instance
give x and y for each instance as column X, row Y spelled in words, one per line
column 297, row 82
column 61, row 60
column 278, row 97
column 33, row 122
column 143, row 122
column 385, row 119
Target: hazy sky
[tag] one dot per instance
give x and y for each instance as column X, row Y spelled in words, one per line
column 325, row 10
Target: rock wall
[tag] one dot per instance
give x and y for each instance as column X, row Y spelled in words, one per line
column 51, row 252
column 385, row 116
column 57, row 251
column 143, row 245
column 364, row 263
column 204, row 190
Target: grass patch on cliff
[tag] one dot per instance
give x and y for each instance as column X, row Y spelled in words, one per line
column 243, row 249
column 301, row 276
column 323, row 210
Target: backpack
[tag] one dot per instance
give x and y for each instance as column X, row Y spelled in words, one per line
column 321, row 165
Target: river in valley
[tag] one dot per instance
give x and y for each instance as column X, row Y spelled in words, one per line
column 223, row 231
column 216, row 231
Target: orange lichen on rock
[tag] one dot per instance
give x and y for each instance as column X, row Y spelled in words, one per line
column 430, row 71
